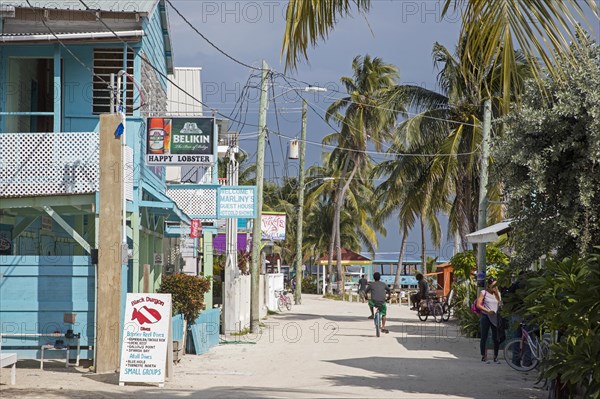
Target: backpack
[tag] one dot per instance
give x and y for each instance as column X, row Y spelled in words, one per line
column 474, row 307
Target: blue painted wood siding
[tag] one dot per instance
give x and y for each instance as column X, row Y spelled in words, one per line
column 153, row 44
column 36, row 292
column 205, row 331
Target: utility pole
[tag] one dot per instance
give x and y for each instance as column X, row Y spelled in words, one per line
column 230, row 306
column 298, row 293
column 483, row 181
column 256, row 228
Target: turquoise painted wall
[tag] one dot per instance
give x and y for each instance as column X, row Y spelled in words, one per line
column 35, row 293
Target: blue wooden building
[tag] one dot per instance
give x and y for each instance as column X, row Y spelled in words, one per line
column 55, row 66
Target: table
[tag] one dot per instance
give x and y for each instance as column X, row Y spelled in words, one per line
column 10, row 359
column 46, row 347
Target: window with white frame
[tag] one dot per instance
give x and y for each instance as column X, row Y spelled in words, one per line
column 107, row 61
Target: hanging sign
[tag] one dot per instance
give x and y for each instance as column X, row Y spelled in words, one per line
column 273, row 226
column 195, row 228
column 146, row 338
column 180, row 141
column 237, row 202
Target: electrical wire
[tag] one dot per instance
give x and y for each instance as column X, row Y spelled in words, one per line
column 159, row 72
column 65, row 47
column 244, row 123
column 285, row 77
column 210, row 42
column 283, row 154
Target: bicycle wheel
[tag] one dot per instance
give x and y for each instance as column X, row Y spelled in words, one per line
column 438, row 312
column 445, row 312
column 280, row 304
column 518, row 355
column 377, row 320
column 288, row 303
column 422, row 313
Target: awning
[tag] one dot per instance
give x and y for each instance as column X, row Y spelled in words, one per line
column 489, row 234
column 348, row 258
column 164, row 205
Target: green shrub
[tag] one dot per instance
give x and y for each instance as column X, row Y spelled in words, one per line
column 564, row 297
column 187, row 294
column 309, row 285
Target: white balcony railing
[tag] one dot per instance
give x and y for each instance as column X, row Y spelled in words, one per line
column 43, row 164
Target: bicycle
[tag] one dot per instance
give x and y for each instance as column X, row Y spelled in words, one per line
column 430, row 307
column 283, row 300
column 377, row 320
column 447, row 306
column 525, row 353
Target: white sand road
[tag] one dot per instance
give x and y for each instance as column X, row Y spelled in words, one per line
column 322, row 348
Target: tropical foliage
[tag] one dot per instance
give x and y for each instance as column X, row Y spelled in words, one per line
column 563, row 297
column 187, row 294
column 492, row 30
column 549, row 161
column 365, row 116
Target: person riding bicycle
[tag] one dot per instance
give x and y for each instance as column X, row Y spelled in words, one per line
column 379, row 291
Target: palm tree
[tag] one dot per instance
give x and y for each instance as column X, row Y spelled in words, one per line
column 414, row 190
column 488, row 27
column 448, row 124
column 367, row 114
column 357, row 212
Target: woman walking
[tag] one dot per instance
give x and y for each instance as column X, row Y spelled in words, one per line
column 488, row 303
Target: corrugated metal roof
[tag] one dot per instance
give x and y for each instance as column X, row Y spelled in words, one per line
column 180, row 103
column 140, row 6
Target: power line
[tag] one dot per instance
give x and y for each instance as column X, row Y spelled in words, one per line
column 155, row 68
column 65, row 47
column 283, row 155
column 210, row 42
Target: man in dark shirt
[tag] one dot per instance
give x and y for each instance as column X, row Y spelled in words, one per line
column 422, row 294
column 379, row 291
column 362, row 288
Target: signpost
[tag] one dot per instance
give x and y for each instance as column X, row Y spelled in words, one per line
column 180, row 141
column 147, row 341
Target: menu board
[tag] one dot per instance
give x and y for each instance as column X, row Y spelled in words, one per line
column 146, row 338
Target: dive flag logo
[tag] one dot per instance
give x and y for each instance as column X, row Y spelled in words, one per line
column 146, row 315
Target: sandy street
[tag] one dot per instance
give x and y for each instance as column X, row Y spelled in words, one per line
column 322, row 348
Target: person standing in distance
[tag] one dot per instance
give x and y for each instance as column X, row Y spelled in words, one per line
column 378, row 291
column 362, row 288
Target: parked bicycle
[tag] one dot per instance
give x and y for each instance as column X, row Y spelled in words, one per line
column 430, row 307
column 526, row 352
column 283, row 300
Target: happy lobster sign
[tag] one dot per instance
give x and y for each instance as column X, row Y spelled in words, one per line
column 146, row 338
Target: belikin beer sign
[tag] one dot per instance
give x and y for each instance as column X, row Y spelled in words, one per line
column 180, row 141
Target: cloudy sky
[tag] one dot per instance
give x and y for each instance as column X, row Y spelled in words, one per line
column 400, row 32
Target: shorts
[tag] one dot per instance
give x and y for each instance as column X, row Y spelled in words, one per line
column 382, row 307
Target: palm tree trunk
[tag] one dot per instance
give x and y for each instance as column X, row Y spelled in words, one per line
column 338, row 241
column 329, row 286
column 400, row 258
column 423, row 246
column 334, row 226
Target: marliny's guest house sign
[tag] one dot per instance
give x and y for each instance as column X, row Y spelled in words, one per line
column 180, row 141
column 146, row 338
